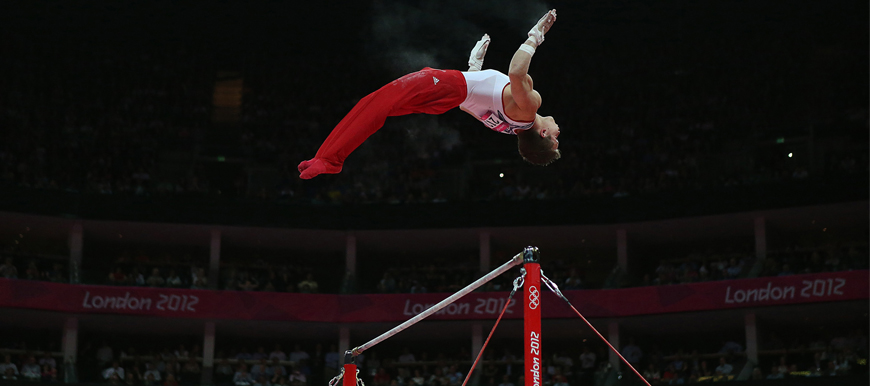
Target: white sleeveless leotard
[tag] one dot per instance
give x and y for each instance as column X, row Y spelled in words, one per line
column 484, row 99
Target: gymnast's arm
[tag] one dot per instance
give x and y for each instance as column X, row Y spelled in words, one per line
column 521, row 83
column 470, row 113
column 475, row 63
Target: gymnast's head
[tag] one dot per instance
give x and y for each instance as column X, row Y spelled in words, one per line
column 539, row 144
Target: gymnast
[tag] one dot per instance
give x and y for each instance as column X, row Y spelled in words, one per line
column 504, row 103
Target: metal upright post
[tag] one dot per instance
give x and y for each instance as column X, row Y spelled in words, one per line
column 349, row 377
column 532, row 317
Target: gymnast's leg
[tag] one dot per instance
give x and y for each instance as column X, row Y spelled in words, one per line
column 417, row 92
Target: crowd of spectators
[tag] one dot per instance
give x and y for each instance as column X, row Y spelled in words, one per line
column 26, row 257
column 94, row 117
column 196, row 278
column 163, row 269
column 30, row 358
column 180, row 365
column 138, row 268
column 448, row 365
column 103, row 130
column 283, row 278
column 823, row 357
column 34, row 269
column 435, row 275
column 700, row 267
column 30, row 367
column 794, row 259
column 169, row 366
column 823, row 258
column 143, row 268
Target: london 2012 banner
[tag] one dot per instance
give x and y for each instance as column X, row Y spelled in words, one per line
column 181, row 303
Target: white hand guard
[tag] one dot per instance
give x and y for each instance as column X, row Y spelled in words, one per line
column 537, row 32
column 475, row 60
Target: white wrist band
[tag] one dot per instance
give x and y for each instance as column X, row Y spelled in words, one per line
column 528, row 48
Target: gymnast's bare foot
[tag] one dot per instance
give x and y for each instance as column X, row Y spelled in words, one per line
column 316, row 166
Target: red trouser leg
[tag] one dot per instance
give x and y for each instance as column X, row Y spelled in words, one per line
column 362, row 121
column 413, row 93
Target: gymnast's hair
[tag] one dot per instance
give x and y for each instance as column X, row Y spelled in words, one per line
column 536, row 149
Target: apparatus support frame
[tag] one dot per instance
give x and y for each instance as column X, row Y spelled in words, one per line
column 516, row 260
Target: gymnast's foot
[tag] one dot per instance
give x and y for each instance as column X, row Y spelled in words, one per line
column 316, row 166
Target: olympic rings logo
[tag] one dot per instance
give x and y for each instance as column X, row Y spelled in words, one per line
column 534, row 298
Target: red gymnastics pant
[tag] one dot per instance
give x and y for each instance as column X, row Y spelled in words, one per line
column 428, row 91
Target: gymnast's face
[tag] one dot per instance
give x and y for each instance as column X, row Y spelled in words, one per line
column 549, row 129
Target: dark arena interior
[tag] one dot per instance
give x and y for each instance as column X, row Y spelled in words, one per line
column 708, row 216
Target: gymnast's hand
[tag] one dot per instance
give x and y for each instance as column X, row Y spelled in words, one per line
column 542, row 27
column 475, row 59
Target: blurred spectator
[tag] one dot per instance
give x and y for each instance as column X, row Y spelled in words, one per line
column 331, row 362
column 56, row 274
column 248, row 284
column 170, row 380
column 259, row 369
column 731, row 347
column 387, row 284
column 117, row 277
column 32, row 271
column 298, row 379
column 243, row 354
column 31, row 370
column 308, row 285
column 151, row 372
column 573, row 281
column 276, row 369
column 298, row 355
column 260, row 353
column 181, row 352
column 652, row 374
column 105, row 354
column 155, row 280
column 382, row 378
column 115, row 379
column 406, row 356
column 775, row 374
column 173, row 280
column 9, row 374
column 506, row 381
column 277, row 353
column 191, row 369
column 47, row 360
column 8, row 270
column 242, row 377
column 632, row 353
column 115, row 370
column 49, row 374
column 454, row 375
column 724, row 367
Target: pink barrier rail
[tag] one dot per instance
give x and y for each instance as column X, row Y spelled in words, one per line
column 181, row 303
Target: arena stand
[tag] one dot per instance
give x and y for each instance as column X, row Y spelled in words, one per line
column 784, row 324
